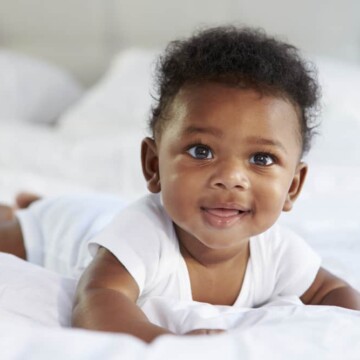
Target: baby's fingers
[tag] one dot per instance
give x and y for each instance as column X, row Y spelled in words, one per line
column 204, row 332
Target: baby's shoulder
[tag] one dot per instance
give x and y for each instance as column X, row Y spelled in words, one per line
column 144, row 215
column 276, row 238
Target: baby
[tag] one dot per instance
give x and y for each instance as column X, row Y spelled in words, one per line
column 234, row 117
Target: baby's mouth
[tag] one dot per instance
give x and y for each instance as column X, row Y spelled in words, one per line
column 223, row 217
column 222, row 212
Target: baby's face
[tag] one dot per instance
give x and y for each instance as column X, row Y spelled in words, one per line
column 228, row 163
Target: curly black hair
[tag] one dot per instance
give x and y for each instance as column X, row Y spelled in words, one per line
column 233, row 55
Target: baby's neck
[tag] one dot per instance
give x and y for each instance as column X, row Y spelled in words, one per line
column 214, row 258
column 216, row 278
column 197, row 253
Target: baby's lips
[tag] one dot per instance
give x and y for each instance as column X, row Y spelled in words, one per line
column 221, row 212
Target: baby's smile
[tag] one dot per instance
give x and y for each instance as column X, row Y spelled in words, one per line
column 224, row 215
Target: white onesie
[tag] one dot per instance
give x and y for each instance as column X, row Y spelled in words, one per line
column 56, row 231
column 143, row 239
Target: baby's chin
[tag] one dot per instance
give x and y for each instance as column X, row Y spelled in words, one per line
column 219, row 240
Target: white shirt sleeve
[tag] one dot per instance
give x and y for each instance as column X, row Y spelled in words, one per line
column 136, row 237
column 296, row 263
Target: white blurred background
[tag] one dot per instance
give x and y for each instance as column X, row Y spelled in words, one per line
column 84, row 35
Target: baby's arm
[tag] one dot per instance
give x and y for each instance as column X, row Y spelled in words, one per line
column 327, row 289
column 105, row 300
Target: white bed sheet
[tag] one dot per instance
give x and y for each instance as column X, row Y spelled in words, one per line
column 42, row 160
column 304, row 334
column 33, row 307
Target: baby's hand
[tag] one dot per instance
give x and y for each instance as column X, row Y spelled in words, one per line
column 205, row 332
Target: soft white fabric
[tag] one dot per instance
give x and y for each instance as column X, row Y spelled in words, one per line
column 143, row 239
column 56, row 230
column 181, row 316
column 120, row 100
column 39, row 159
column 34, row 90
column 33, row 295
column 35, row 301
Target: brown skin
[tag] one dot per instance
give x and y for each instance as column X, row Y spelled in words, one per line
column 11, row 237
column 106, row 297
column 327, row 289
column 252, row 149
column 25, row 199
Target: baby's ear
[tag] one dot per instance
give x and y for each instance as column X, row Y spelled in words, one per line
column 296, row 186
column 150, row 164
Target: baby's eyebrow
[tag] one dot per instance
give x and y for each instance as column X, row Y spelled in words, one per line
column 264, row 141
column 190, row 130
column 258, row 140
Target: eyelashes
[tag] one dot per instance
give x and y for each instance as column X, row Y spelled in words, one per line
column 200, row 151
column 203, row 152
column 262, row 159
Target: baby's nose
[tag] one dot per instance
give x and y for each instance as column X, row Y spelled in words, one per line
column 231, row 174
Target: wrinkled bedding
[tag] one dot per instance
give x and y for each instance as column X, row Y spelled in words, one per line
column 35, row 315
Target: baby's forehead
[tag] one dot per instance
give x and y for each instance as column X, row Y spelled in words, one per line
column 194, row 100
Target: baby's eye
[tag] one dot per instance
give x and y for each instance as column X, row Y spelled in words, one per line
column 262, row 159
column 200, row 152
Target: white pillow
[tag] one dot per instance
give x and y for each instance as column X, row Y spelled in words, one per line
column 32, row 293
column 33, row 90
column 121, row 100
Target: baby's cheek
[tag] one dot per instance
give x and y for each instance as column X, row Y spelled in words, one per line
column 270, row 201
column 174, row 201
